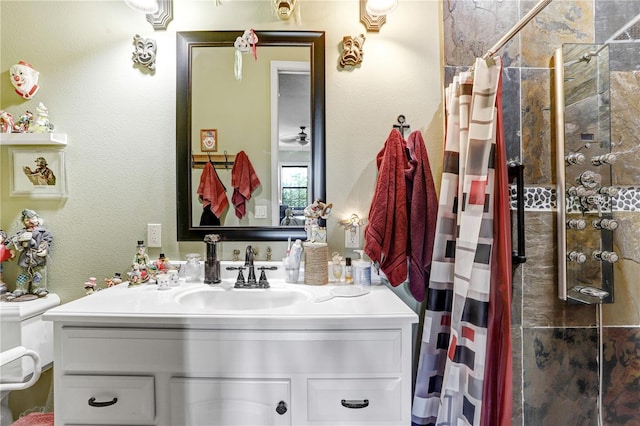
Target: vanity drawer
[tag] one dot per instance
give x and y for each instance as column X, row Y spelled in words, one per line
column 228, row 352
column 108, row 399
column 354, row 401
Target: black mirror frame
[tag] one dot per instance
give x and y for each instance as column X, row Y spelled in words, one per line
column 315, row 40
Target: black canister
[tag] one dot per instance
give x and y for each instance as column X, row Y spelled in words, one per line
column 211, row 263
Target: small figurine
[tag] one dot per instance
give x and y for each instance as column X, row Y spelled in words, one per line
column 24, row 122
column 33, row 243
column 6, row 122
column 163, row 264
column 25, row 79
column 5, row 254
column 312, row 213
column 115, row 280
column 90, row 286
column 42, row 124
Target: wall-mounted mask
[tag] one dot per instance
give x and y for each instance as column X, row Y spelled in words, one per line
column 284, row 8
column 352, row 50
column 145, row 52
column 25, row 79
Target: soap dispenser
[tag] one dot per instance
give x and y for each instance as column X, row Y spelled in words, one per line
column 361, row 269
column 212, row 264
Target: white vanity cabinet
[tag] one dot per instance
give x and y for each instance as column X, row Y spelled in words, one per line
column 312, row 368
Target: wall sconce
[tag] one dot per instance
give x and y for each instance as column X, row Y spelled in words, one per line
column 373, row 13
column 284, row 8
column 352, row 231
column 159, row 12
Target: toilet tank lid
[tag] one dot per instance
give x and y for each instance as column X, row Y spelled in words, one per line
column 19, row 311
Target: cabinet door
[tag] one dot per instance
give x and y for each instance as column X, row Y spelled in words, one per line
column 229, row 402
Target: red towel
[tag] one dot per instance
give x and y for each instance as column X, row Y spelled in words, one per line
column 244, row 181
column 387, row 232
column 35, row 419
column 423, row 209
column 212, row 191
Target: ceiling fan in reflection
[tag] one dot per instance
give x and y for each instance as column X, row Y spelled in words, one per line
column 301, row 138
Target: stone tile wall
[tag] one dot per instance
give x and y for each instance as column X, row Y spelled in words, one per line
column 557, row 346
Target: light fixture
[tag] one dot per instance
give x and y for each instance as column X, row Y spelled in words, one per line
column 381, row 7
column 144, row 6
column 159, row 12
column 373, row 12
column 351, row 230
column 284, row 8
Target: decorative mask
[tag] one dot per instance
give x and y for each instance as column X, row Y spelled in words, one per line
column 25, row 79
column 145, row 53
column 352, row 50
column 284, row 8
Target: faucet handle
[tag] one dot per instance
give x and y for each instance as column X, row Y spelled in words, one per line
column 263, row 283
column 240, row 280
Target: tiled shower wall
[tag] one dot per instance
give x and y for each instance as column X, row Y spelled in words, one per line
column 556, row 346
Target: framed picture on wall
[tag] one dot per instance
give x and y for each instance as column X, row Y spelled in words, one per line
column 209, row 140
column 37, row 173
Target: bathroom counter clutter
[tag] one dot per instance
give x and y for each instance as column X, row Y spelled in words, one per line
column 292, row 354
column 198, row 304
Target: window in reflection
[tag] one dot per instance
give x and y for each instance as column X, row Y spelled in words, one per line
column 294, row 196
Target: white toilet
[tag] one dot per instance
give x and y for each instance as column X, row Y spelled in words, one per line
column 21, row 325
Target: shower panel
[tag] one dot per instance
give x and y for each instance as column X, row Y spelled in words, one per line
column 586, row 224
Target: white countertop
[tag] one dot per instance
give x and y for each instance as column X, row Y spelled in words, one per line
column 144, row 305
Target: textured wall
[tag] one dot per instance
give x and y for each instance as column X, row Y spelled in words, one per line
column 121, row 122
column 556, row 352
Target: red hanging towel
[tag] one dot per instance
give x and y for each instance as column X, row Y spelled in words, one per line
column 211, row 191
column 244, row 181
column 422, row 217
column 385, row 239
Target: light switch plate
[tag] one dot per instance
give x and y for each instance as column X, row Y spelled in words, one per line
column 260, row 212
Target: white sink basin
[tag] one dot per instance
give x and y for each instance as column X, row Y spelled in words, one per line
column 221, row 299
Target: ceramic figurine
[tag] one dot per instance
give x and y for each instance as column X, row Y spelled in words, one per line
column 115, row 280
column 25, row 79
column 42, row 124
column 135, row 275
column 6, row 122
column 141, row 259
column 5, row 254
column 90, row 286
column 313, row 212
column 24, row 122
column 32, row 243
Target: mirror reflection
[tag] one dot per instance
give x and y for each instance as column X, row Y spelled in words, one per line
column 250, row 134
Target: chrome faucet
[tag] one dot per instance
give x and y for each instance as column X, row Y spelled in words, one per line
column 248, row 262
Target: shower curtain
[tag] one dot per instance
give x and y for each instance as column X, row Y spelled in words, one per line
column 464, row 370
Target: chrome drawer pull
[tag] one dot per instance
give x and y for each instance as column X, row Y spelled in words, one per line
column 355, row 403
column 93, row 403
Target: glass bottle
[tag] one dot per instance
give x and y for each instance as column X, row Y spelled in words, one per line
column 336, row 267
column 192, row 271
column 348, row 271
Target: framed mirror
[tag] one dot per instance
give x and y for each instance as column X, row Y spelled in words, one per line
column 228, row 103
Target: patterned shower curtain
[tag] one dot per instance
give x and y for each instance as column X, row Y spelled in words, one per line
column 464, row 371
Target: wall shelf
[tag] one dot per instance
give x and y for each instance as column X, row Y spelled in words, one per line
column 33, row 138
